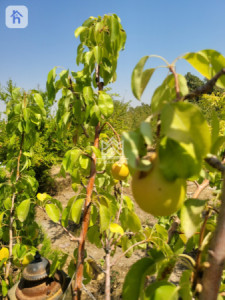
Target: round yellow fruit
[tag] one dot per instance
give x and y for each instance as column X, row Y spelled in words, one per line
column 155, row 194
column 120, row 171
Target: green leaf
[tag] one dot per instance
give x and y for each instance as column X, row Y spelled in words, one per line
column 65, row 217
column 114, row 34
column 4, row 288
column 76, row 210
column 129, row 202
column 50, row 85
column 165, row 268
column 215, row 124
column 191, row 216
column 146, row 131
column 54, row 265
column 79, row 30
column 166, row 92
column 104, row 215
column 134, row 147
column 95, row 115
column 39, row 100
column 65, row 117
column 64, row 74
column 70, row 159
column 171, row 164
column 88, row 94
column 53, row 212
column 94, row 216
column 116, row 228
column 126, row 243
column 84, row 162
column 16, row 93
column 140, row 78
column 105, row 104
column 23, row 210
column 135, row 279
column 161, row 290
column 184, row 122
column 208, row 63
column 216, row 147
column 185, row 285
column 133, row 222
column 94, row 236
column 98, row 54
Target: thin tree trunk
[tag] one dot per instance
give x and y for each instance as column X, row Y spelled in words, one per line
column 11, row 218
column 87, row 206
column 212, row 274
column 107, row 273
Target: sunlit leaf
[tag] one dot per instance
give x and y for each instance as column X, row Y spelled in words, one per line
column 23, row 210
column 161, row 290
column 79, row 30
column 207, row 62
column 116, row 228
column 185, row 123
column 166, row 92
column 76, row 210
column 53, row 212
column 105, row 104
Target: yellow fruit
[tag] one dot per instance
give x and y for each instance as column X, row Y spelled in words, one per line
column 155, row 194
column 120, row 171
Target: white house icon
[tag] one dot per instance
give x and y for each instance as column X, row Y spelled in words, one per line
column 16, row 16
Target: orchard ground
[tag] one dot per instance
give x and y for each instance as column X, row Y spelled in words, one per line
column 61, row 241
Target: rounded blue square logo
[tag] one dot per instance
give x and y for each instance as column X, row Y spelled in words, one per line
column 16, row 16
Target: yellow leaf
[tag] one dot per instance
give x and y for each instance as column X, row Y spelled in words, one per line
column 27, row 259
column 41, row 197
column 183, row 238
column 4, row 253
column 116, row 228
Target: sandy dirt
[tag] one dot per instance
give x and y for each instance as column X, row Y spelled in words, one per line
column 61, row 241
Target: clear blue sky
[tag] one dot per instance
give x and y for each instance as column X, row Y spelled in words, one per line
column 166, row 28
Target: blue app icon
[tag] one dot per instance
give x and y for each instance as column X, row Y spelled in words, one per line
column 16, row 16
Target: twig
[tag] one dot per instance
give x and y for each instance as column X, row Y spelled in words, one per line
column 205, row 88
column 107, row 271
column 173, row 228
column 197, row 275
column 88, row 292
column 125, row 252
column 200, row 188
column 114, row 131
column 177, row 87
column 121, row 202
column 84, row 131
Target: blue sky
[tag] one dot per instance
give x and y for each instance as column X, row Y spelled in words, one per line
column 166, row 28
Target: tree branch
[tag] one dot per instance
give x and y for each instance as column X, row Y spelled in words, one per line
column 86, row 217
column 205, row 88
column 212, row 274
column 177, row 87
column 125, row 252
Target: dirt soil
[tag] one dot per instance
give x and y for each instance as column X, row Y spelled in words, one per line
column 61, row 241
